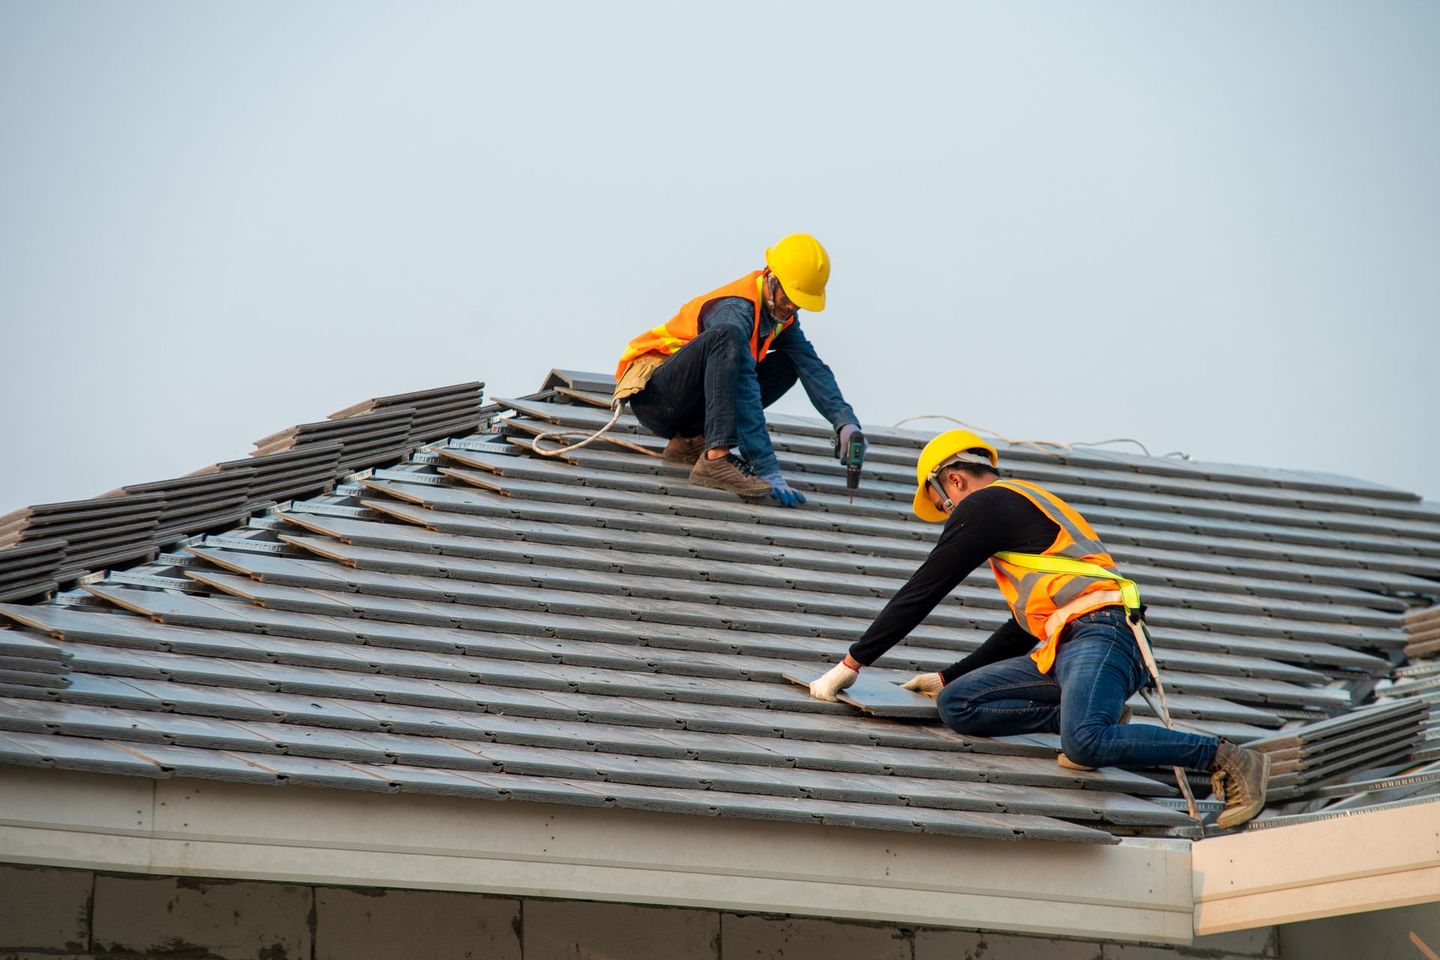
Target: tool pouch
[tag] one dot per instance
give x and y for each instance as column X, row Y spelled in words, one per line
column 636, row 376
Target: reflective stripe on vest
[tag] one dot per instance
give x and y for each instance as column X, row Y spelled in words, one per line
column 680, row 329
column 1034, row 595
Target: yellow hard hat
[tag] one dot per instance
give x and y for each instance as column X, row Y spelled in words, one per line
column 803, row 267
column 944, row 448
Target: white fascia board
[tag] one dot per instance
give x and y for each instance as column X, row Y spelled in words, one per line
column 1369, row 860
column 1138, row 890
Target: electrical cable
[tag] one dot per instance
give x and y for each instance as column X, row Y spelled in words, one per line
column 1043, row 446
column 616, row 409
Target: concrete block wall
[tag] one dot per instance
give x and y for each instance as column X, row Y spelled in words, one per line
column 80, row 915
column 1400, row 932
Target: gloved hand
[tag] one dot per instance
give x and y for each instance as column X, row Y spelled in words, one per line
column 930, row 684
column 837, row 678
column 782, row 491
column 842, row 447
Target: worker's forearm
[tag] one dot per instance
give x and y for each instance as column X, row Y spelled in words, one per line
column 946, row 566
column 750, row 421
column 970, row 536
column 1007, row 642
column 817, row 378
column 911, row 604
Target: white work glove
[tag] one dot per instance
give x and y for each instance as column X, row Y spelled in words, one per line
column 837, row 678
column 929, row 684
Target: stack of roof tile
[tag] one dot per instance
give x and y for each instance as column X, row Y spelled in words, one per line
column 30, row 665
column 442, row 412
column 1418, row 681
column 198, row 502
column 1423, row 627
column 1333, row 750
column 45, row 546
column 30, row 567
column 93, row 534
column 1393, row 756
column 363, row 439
column 280, row 476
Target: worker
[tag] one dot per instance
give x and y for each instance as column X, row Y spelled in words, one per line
column 1068, row 658
column 707, row 374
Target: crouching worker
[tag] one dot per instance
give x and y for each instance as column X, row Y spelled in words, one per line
column 705, row 377
column 1067, row 660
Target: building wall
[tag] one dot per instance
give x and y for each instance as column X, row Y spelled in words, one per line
column 81, row 915
column 1377, row 935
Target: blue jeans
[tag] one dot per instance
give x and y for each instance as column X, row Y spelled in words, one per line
column 713, row 387
column 1097, row 668
column 694, row 392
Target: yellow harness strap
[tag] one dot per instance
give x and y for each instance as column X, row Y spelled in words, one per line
column 1044, row 563
column 1130, row 594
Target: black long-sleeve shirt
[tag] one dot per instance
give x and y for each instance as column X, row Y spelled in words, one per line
column 986, row 522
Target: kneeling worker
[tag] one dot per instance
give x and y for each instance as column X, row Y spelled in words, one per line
column 1088, row 661
column 708, row 373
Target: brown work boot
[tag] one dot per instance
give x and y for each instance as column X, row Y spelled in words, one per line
column 728, row 473
column 1239, row 780
column 684, row 450
column 1069, row 764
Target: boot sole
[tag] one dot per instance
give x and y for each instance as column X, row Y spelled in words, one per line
column 716, row 485
column 1246, row 814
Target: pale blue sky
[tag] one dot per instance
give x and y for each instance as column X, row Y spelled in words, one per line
column 1210, row 226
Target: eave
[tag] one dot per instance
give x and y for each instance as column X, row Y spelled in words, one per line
column 1137, row 890
column 1373, row 859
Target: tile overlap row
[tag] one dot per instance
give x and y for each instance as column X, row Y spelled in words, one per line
column 475, row 620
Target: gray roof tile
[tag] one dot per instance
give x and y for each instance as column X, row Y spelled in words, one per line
column 596, row 631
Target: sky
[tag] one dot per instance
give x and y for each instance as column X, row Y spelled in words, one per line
column 1212, row 227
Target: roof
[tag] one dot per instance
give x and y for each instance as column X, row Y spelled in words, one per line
column 466, row 618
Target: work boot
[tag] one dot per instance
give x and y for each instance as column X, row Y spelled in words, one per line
column 729, row 473
column 1069, row 764
column 684, row 450
column 1239, row 780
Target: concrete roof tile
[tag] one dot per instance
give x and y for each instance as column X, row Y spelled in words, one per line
column 596, row 631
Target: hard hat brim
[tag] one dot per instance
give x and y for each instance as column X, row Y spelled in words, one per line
column 926, row 510
column 805, row 301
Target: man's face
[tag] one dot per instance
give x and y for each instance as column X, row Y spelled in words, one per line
column 780, row 306
column 956, row 485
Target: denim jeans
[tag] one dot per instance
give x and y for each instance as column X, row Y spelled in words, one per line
column 713, row 387
column 694, row 392
column 1097, row 668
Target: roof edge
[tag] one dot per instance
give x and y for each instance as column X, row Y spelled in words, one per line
column 1138, row 890
column 1373, row 859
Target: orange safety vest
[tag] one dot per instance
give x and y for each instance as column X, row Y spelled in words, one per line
column 680, row 329
column 1043, row 603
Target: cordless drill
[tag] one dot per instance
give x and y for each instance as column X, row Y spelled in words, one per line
column 854, row 459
